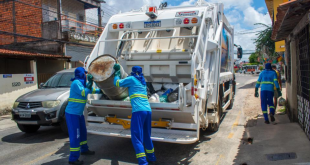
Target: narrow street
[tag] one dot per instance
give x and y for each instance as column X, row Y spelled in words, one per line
column 50, row 147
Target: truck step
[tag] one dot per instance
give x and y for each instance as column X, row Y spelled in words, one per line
column 158, row 134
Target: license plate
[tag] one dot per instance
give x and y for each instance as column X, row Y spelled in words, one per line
column 152, row 24
column 25, row 114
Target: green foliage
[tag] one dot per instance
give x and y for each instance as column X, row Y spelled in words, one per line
column 261, row 68
column 254, row 63
column 264, row 39
column 253, row 58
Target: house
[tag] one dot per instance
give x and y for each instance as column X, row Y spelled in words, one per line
column 49, row 35
column 292, row 25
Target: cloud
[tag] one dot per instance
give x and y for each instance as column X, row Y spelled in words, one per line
column 252, row 16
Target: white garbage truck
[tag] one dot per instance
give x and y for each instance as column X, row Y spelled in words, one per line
column 188, row 49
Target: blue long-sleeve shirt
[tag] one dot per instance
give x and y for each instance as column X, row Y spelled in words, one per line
column 78, row 98
column 137, row 93
column 267, row 80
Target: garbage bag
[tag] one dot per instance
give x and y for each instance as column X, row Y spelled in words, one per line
column 163, row 99
column 154, row 98
column 174, row 95
column 281, row 101
column 167, row 92
column 127, row 99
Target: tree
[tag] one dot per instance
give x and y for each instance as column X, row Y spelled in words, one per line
column 253, row 58
column 263, row 40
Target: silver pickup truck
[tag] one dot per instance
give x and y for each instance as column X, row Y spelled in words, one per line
column 45, row 106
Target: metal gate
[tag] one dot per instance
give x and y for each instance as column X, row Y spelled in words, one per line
column 303, row 81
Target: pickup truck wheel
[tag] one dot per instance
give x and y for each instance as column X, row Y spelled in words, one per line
column 63, row 125
column 28, row 128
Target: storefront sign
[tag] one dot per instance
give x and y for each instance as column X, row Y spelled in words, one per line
column 83, row 37
column 7, row 76
column 29, row 79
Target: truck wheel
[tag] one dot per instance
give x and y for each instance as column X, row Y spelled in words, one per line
column 63, row 125
column 28, row 128
column 214, row 127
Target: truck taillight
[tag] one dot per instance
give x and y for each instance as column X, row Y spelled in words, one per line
column 194, row 20
column 193, row 91
column 186, row 21
column 114, row 26
column 121, row 25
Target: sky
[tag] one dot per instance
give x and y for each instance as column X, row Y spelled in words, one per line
column 242, row 14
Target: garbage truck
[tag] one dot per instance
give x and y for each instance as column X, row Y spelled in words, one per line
column 187, row 50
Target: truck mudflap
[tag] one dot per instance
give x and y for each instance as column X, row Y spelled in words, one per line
column 158, row 134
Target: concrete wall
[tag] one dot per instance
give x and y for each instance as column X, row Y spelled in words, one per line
column 15, row 86
column 291, row 87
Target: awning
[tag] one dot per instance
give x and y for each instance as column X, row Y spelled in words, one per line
column 289, row 15
column 22, row 54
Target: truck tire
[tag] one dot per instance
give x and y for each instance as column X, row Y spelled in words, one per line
column 63, row 125
column 233, row 97
column 214, row 127
column 28, row 128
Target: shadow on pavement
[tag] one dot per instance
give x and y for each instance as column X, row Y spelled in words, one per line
column 44, row 134
column 115, row 151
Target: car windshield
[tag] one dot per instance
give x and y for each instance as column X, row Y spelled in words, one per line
column 59, row 80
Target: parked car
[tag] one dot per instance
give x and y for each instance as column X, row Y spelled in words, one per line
column 45, row 106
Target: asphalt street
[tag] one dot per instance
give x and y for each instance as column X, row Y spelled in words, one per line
column 49, row 146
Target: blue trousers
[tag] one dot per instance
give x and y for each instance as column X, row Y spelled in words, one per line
column 267, row 99
column 77, row 135
column 141, row 124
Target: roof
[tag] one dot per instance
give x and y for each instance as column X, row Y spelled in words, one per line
column 289, row 15
column 269, row 4
column 22, row 54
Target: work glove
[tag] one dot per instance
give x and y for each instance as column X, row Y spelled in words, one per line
column 256, row 92
column 117, row 69
column 279, row 92
column 90, row 81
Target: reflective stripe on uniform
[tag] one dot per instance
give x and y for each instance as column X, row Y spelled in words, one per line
column 83, row 93
column 77, row 100
column 83, row 142
column 75, row 149
column 150, row 151
column 275, row 79
column 264, row 111
column 117, row 83
column 258, row 82
column 267, row 82
column 138, row 95
column 271, row 107
column 94, row 91
column 140, row 155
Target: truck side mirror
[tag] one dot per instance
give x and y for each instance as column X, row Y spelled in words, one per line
column 41, row 85
column 239, row 52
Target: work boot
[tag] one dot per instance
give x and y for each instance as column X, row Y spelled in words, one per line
column 88, row 153
column 267, row 122
column 272, row 119
column 77, row 162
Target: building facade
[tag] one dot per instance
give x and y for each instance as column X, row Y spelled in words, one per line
column 293, row 26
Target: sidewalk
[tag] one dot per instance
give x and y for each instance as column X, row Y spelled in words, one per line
column 260, row 141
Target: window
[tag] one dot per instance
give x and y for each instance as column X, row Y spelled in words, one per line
column 59, row 80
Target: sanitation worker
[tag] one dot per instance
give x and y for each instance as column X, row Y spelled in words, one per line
column 74, row 115
column 267, row 79
column 141, row 113
column 275, row 97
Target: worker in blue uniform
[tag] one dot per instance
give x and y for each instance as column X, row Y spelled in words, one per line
column 141, row 120
column 267, row 80
column 74, row 115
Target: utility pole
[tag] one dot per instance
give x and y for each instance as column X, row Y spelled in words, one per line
column 59, row 19
column 99, row 17
column 14, row 22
